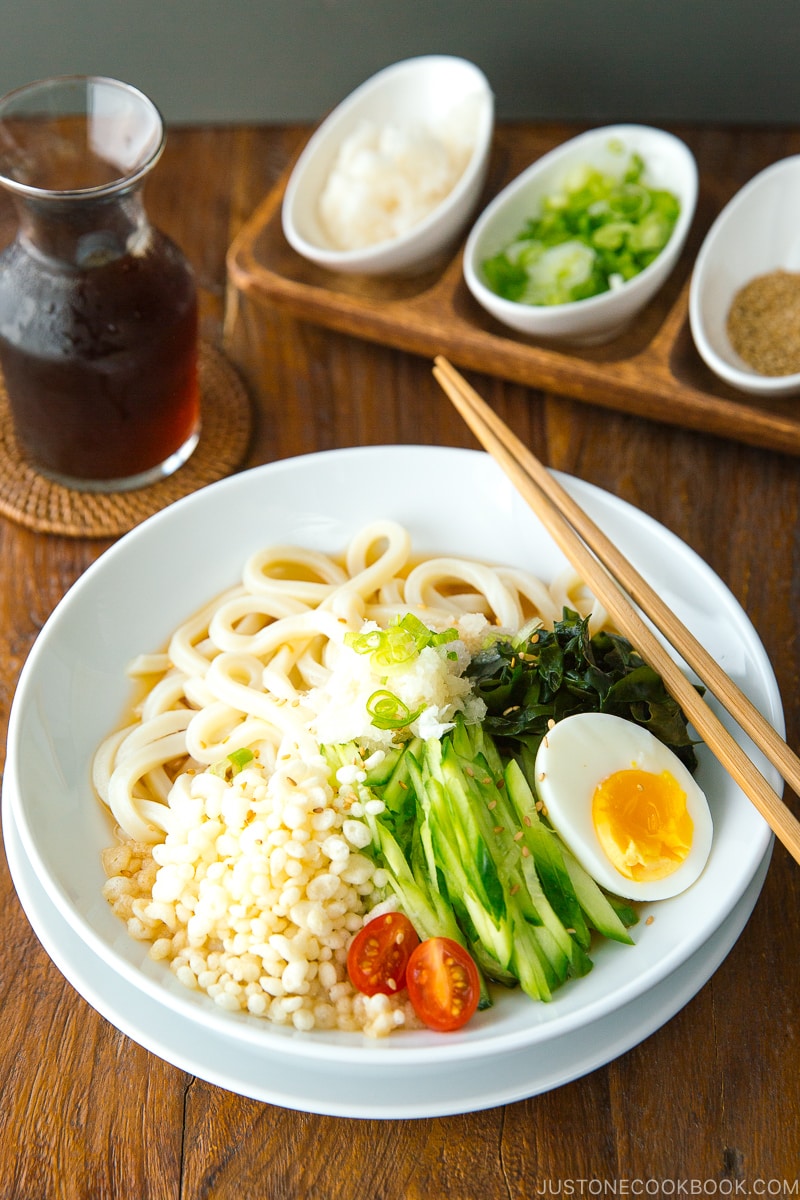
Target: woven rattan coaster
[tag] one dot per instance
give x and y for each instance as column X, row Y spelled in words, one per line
column 37, row 503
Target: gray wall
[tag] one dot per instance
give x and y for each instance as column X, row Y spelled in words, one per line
column 291, row 60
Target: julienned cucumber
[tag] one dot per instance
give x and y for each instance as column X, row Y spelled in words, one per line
column 586, row 904
column 470, row 858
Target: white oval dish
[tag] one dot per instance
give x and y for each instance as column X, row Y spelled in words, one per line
column 668, row 164
column 73, row 690
column 415, row 92
column 757, row 232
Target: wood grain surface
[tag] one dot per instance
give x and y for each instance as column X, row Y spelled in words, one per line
column 709, row 1104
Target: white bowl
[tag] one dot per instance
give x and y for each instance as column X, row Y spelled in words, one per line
column 757, row 232
column 668, row 164
column 73, row 689
column 415, row 92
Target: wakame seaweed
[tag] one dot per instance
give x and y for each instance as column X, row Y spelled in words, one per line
column 547, row 675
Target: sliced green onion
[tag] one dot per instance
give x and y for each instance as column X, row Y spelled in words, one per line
column 388, row 711
column 240, row 758
column 364, row 643
column 414, row 627
column 596, row 231
column 441, row 639
column 396, row 647
column 233, row 763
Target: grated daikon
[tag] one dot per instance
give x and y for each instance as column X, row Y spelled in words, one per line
column 387, row 179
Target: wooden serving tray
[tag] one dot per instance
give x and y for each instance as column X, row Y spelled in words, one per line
column 653, row 370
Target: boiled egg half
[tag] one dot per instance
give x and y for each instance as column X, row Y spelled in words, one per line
column 625, row 805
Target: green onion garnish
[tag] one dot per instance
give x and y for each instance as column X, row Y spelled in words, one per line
column 234, row 762
column 388, row 711
column 599, row 230
column 240, row 758
column 394, row 648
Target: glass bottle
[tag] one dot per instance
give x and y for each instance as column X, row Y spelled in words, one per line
column 98, row 309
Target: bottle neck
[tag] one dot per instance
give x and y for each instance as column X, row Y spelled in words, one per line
column 83, row 232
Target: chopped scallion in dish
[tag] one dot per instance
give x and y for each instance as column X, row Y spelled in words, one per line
column 593, row 234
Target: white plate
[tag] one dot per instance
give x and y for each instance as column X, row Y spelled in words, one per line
column 73, row 688
column 396, row 1094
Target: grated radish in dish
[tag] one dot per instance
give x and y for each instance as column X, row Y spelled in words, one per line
column 387, row 179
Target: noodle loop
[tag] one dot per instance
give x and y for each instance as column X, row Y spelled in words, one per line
column 237, row 675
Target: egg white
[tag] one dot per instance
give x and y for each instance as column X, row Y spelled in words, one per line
column 580, row 752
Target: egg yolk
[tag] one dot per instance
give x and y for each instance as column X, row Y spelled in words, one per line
column 642, row 823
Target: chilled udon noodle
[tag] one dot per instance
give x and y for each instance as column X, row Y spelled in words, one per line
column 250, row 880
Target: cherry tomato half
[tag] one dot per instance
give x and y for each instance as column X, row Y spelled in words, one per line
column 443, row 984
column 379, row 954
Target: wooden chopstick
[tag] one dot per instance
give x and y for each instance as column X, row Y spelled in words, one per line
column 695, row 654
column 607, row 572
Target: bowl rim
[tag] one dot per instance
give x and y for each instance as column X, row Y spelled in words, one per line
column 330, row 256
column 742, row 377
column 557, row 313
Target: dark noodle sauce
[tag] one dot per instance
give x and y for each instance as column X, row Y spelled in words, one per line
column 100, row 363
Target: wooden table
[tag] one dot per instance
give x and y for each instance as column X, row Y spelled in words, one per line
column 710, row 1104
